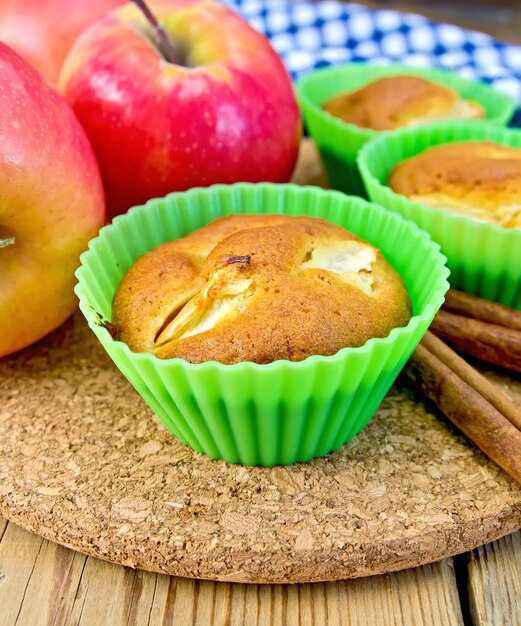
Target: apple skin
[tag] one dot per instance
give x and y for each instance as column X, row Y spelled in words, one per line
column 43, row 32
column 51, row 202
column 229, row 115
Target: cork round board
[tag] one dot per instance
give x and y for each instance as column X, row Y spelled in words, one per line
column 85, row 463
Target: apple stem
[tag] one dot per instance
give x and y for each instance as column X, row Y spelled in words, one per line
column 162, row 38
column 9, row 241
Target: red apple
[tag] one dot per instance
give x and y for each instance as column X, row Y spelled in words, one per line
column 51, row 203
column 223, row 111
column 43, row 32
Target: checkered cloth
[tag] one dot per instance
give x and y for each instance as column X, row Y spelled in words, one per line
column 309, row 34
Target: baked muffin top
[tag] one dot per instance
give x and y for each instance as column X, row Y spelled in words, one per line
column 259, row 288
column 401, row 101
column 478, row 179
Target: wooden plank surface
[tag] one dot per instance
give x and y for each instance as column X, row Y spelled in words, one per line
column 43, row 583
column 494, row 582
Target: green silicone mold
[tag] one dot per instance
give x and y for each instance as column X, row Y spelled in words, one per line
column 285, row 411
column 484, row 259
column 339, row 142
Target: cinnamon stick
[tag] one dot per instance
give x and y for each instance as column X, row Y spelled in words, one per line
column 481, row 309
column 490, row 342
column 473, row 378
column 477, row 418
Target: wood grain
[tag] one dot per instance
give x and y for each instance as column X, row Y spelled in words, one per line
column 52, row 585
column 494, row 582
column 3, row 527
column 42, row 584
column 19, row 551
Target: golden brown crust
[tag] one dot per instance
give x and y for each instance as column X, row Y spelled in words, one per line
column 272, row 287
column 479, row 179
column 399, row 101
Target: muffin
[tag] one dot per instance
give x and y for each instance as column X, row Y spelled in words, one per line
column 401, row 101
column 339, row 142
column 259, row 288
column 261, row 414
column 478, row 179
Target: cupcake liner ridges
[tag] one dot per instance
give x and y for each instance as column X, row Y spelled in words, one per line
column 285, row 411
column 484, row 259
column 339, row 142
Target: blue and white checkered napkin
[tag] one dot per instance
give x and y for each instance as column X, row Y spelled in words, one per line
column 309, row 34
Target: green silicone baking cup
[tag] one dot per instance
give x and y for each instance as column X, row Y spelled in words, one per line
column 284, row 411
column 339, row 142
column 484, row 259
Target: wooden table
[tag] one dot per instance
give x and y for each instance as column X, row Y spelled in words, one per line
column 43, row 583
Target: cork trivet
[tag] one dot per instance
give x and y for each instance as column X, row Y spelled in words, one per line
column 85, row 463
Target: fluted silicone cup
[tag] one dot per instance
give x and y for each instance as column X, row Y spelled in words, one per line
column 339, row 142
column 284, row 411
column 484, row 259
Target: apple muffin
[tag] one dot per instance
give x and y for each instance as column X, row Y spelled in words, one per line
column 478, row 179
column 401, row 101
column 259, row 288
